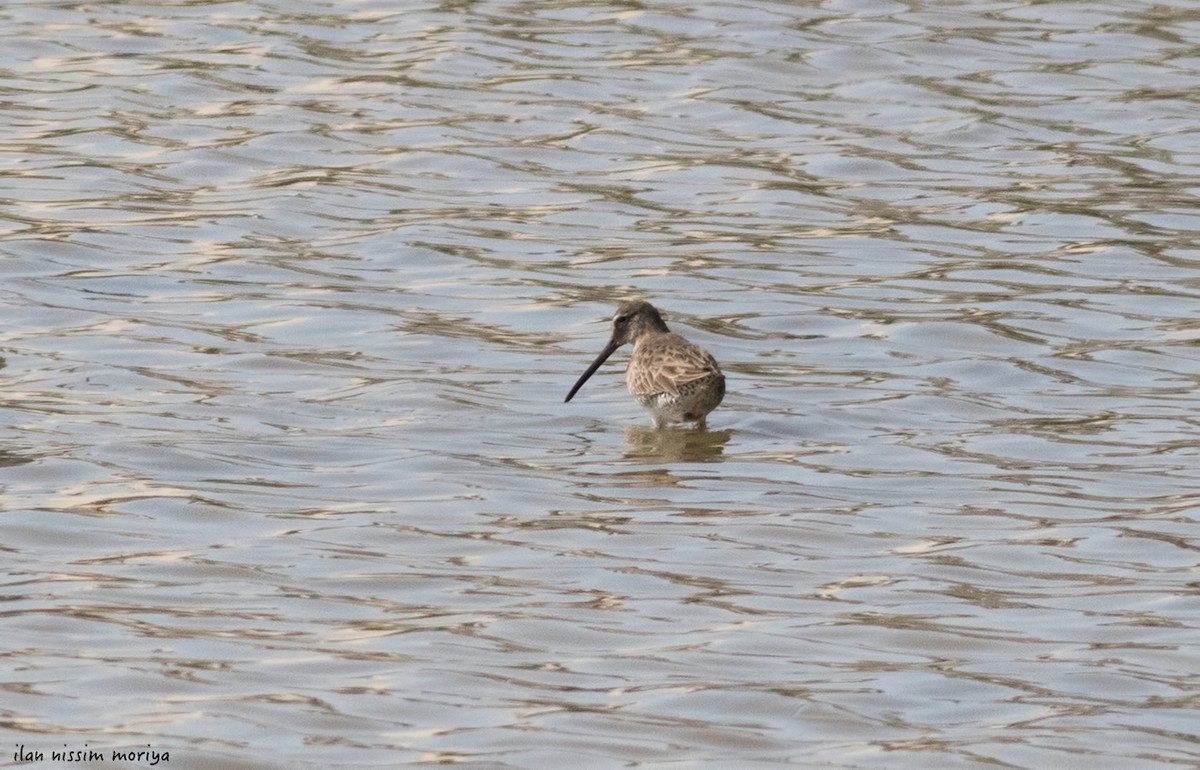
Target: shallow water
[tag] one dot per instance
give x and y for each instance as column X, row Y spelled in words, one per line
column 292, row 299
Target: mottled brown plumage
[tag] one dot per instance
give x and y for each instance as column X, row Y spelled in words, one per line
column 673, row 379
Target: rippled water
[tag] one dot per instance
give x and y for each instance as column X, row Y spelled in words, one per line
column 292, row 295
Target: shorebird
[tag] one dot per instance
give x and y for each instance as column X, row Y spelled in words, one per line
column 673, row 379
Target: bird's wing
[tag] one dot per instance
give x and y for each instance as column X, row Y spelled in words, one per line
column 668, row 366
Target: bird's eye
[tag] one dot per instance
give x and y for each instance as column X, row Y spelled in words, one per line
column 621, row 319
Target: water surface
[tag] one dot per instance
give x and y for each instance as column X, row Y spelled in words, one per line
column 292, row 298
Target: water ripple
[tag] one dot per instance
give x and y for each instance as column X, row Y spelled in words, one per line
column 292, row 298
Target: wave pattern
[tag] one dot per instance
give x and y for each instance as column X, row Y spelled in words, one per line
column 292, row 298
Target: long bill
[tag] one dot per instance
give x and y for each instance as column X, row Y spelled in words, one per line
column 609, row 349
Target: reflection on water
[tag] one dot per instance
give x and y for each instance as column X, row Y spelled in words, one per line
column 675, row 444
column 291, row 300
